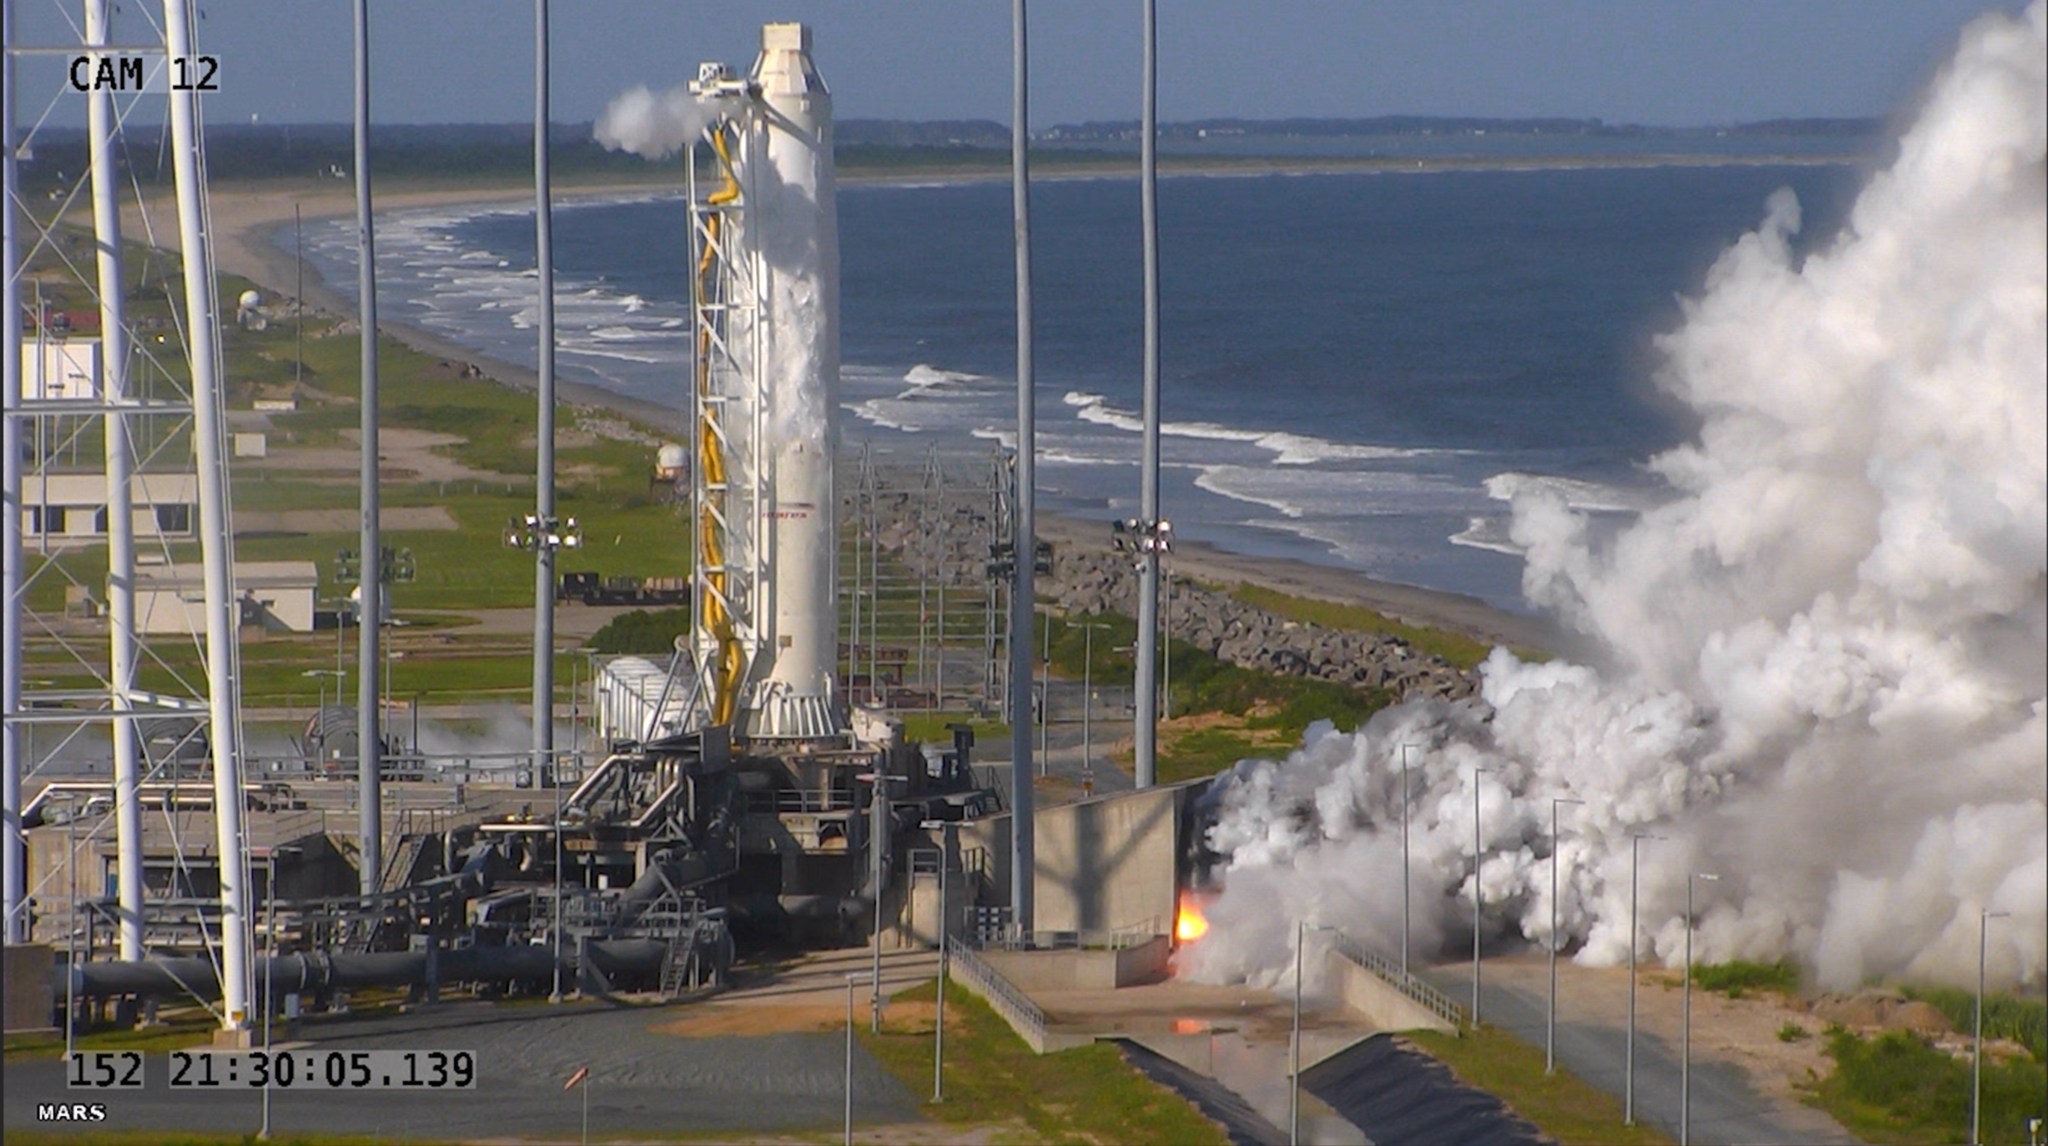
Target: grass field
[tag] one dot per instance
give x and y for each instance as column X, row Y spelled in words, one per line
column 1086, row 1094
column 1560, row 1105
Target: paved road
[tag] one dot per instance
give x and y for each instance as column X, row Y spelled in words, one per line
column 1726, row 1108
column 642, row 1082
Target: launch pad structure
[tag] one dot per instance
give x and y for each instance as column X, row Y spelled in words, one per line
column 783, row 802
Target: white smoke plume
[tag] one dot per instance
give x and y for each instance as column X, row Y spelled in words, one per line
column 654, row 126
column 1825, row 669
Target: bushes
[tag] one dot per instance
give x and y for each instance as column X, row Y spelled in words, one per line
column 641, row 631
column 1896, row 1086
column 2024, row 1021
column 1738, row 976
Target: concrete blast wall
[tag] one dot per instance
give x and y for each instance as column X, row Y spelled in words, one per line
column 1104, row 864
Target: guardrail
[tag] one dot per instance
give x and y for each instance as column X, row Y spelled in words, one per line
column 1017, row 1009
column 1388, row 969
column 1087, row 939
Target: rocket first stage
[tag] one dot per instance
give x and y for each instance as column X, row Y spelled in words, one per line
column 767, row 244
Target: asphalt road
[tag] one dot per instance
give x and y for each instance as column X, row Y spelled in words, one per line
column 1725, row 1108
column 640, row 1082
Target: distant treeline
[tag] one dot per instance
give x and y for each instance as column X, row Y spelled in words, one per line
column 493, row 151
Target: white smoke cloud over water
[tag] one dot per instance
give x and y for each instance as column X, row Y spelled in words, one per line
column 1825, row 655
column 654, row 126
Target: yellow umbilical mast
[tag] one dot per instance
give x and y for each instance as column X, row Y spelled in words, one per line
column 730, row 661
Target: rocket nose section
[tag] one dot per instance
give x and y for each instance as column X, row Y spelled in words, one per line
column 786, row 38
column 785, row 66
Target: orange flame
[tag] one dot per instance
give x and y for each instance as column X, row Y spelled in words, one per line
column 1189, row 925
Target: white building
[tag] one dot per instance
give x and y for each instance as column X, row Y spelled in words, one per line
column 275, row 595
column 73, row 506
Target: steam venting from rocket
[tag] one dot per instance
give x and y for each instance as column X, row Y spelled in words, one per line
column 654, row 126
column 1822, row 658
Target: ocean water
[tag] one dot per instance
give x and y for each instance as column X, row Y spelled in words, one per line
column 1357, row 370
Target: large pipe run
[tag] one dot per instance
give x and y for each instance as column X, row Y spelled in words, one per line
column 321, row 971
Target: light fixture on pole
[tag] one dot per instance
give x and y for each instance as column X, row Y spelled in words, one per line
column 1550, row 1015
column 851, row 981
column 1477, row 857
column 1301, row 929
column 1984, row 919
column 1685, row 1055
column 1628, row 1107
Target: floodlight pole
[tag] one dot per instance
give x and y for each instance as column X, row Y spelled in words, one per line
column 1550, row 1015
column 851, row 980
column 1635, row 842
column 1147, row 706
column 1685, row 1056
column 1984, row 919
column 544, row 435
column 1477, row 844
column 1024, row 538
column 370, row 566
column 1405, row 881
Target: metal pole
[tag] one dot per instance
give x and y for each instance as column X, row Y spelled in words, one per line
column 269, row 968
column 1294, row 1043
column 1550, row 1014
column 370, row 580
column 299, row 297
column 1024, row 535
column 1984, row 919
column 850, row 981
column 1087, row 694
column 1685, row 1056
column 586, row 1110
column 939, row 1029
column 1477, row 844
column 14, row 859
column 878, row 809
column 216, row 541
column 1628, row 1109
column 544, row 436
column 71, row 931
column 106, row 218
column 1147, row 700
column 1406, row 892
column 555, row 996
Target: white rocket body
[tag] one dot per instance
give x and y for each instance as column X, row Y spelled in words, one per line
column 786, row 169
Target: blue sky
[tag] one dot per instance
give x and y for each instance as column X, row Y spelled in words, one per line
column 1677, row 62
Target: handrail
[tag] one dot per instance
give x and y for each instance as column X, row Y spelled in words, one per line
column 1016, row 1008
column 1389, row 969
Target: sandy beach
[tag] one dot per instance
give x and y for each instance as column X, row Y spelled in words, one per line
column 247, row 219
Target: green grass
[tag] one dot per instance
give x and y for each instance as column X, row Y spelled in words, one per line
column 1738, row 977
column 1560, row 1105
column 177, row 1035
column 1456, row 648
column 1207, row 751
column 2024, row 1021
column 1086, row 1094
column 1897, row 1088
column 936, row 728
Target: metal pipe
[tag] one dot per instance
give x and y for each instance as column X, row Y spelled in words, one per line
column 544, row 435
column 1147, row 700
column 1024, row 533
column 216, row 536
column 106, row 218
column 14, row 860
column 370, row 585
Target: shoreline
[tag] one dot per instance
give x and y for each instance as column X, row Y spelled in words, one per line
column 248, row 218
